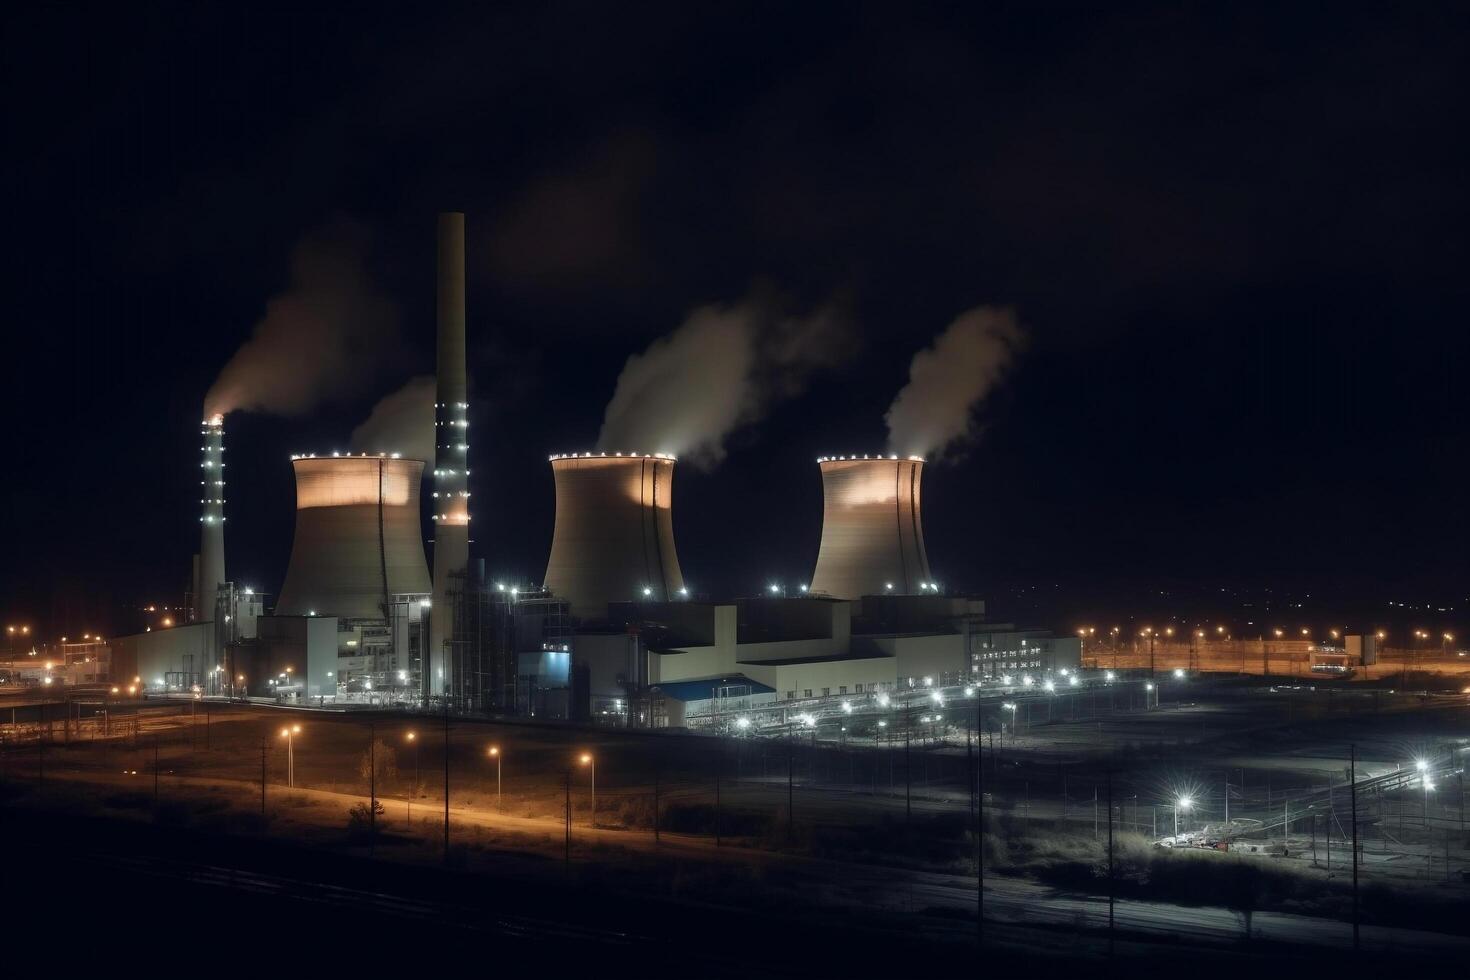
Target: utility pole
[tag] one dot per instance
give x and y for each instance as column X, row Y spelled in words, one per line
column 908, row 805
column 1110, row 862
column 979, row 844
column 372, row 782
column 1353, row 776
column 446, row 787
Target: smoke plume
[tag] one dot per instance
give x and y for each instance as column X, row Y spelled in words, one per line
column 724, row 368
column 402, row 422
column 322, row 340
column 934, row 413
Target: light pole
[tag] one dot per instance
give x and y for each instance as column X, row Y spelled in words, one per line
column 1182, row 803
column 413, row 739
column 499, row 762
column 289, row 734
column 591, row 764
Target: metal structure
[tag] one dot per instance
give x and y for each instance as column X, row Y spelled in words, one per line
column 451, row 453
column 358, row 539
column 614, row 536
column 210, row 573
column 872, row 530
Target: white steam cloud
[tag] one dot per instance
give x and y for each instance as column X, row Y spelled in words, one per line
column 722, row 369
column 934, row 413
column 402, row 422
column 323, row 340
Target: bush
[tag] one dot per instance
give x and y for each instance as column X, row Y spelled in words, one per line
column 361, row 819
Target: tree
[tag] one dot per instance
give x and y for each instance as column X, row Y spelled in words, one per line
column 1242, row 885
column 386, row 759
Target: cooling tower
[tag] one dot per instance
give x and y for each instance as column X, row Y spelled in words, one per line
column 872, row 533
column 451, row 451
column 358, row 538
column 211, row 571
column 614, row 537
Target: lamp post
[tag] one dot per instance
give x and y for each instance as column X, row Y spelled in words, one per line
column 1182, row 803
column 1423, row 766
column 499, row 762
column 413, row 739
column 289, row 734
column 591, row 764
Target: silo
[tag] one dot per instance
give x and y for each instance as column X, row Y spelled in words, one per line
column 358, row 537
column 614, row 536
column 872, row 529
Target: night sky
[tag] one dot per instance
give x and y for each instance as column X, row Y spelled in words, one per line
column 1236, row 243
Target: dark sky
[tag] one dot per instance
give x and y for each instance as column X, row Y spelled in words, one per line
column 1237, row 242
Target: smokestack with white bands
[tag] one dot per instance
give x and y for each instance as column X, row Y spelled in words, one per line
column 211, row 571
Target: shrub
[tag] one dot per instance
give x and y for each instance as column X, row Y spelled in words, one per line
column 361, row 820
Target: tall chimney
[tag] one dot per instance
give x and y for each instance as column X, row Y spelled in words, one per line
column 212, row 520
column 872, row 528
column 451, row 453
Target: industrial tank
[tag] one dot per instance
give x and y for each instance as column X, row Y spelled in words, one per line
column 358, row 537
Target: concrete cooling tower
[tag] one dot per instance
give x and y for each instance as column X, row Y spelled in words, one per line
column 614, row 537
column 358, row 538
column 872, row 532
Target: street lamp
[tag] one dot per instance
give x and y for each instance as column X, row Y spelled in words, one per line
column 289, row 734
column 413, row 739
column 1183, row 803
column 591, row 763
column 499, row 762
